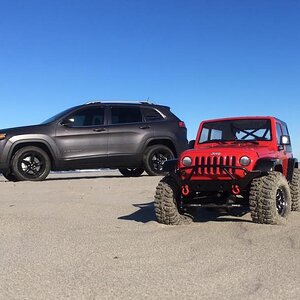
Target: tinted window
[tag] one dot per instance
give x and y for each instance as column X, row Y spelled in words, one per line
column 151, row 114
column 121, row 115
column 87, row 117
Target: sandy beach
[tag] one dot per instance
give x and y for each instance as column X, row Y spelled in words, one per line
column 95, row 236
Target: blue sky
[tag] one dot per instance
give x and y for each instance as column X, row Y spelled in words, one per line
column 205, row 58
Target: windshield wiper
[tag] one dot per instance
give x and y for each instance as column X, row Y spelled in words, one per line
column 214, row 141
column 248, row 141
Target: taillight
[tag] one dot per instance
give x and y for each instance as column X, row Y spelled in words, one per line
column 181, row 124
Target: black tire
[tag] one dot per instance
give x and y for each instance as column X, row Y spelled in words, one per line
column 154, row 158
column 9, row 176
column 270, row 199
column 295, row 190
column 134, row 172
column 165, row 203
column 30, row 163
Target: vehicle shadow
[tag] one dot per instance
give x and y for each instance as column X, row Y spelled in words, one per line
column 145, row 214
column 220, row 215
column 86, row 177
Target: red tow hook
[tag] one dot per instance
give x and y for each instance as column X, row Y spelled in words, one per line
column 235, row 189
column 185, row 190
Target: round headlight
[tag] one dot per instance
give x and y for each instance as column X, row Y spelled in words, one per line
column 187, row 161
column 245, row 161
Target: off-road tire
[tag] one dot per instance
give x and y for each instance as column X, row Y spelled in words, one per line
column 154, row 158
column 131, row 172
column 165, row 203
column 295, row 190
column 270, row 199
column 30, row 163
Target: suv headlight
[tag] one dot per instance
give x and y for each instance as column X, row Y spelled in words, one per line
column 245, row 161
column 187, row 161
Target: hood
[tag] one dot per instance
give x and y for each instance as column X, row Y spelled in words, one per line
column 24, row 129
column 231, row 149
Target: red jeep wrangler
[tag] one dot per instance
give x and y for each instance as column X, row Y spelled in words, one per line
column 234, row 162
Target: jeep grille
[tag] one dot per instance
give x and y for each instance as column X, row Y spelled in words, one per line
column 214, row 165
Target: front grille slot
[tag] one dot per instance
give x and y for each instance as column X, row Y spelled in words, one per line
column 214, row 165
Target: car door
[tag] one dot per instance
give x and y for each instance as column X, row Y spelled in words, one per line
column 284, row 151
column 82, row 138
column 127, row 135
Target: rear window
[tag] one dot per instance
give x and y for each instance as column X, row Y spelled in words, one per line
column 151, row 114
column 120, row 115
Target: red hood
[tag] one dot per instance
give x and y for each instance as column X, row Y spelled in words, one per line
column 253, row 150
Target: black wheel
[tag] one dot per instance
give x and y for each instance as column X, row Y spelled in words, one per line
column 295, row 190
column 9, row 176
column 30, row 163
column 131, row 172
column 270, row 199
column 165, row 203
column 154, row 158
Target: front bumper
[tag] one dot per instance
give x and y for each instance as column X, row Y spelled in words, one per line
column 190, row 181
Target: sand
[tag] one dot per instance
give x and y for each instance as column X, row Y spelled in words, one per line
column 95, row 236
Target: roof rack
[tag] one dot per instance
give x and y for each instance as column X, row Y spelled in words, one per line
column 120, row 101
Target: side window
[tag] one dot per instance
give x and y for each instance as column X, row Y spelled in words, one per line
column 285, row 131
column 151, row 114
column 120, row 115
column 278, row 133
column 87, row 117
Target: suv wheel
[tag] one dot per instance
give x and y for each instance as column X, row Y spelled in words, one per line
column 154, row 158
column 295, row 190
column 165, row 203
column 134, row 172
column 30, row 163
column 270, row 199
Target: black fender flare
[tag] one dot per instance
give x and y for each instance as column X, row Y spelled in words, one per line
column 170, row 165
column 29, row 142
column 292, row 164
column 267, row 164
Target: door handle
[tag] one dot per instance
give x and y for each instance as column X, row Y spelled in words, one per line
column 99, row 129
column 145, row 127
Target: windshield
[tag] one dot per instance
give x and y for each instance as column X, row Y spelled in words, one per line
column 57, row 116
column 236, row 130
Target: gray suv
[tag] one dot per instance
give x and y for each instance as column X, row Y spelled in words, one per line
column 131, row 137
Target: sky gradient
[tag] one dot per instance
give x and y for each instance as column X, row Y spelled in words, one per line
column 205, row 59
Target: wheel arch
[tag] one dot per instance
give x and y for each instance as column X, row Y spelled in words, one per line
column 162, row 141
column 292, row 164
column 36, row 143
column 269, row 164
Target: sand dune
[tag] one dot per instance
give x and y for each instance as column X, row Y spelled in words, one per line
column 95, row 236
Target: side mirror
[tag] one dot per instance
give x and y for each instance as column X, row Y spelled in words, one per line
column 67, row 122
column 285, row 140
column 191, row 144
